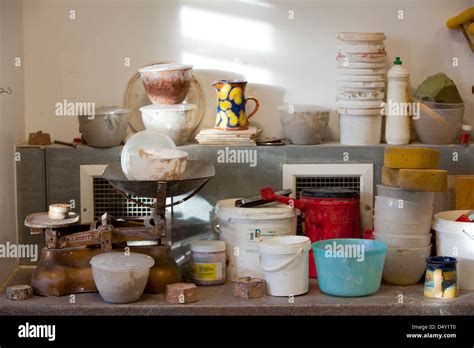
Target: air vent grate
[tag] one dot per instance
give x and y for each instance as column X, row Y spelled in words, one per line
column 107, row 199
column 303, row 182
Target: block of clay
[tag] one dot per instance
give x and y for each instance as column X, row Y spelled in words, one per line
column 429, row 180
column 411, row 158
column 19, row 292
column 248, row 287
column 181, row 293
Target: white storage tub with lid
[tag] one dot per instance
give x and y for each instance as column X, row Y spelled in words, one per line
column 456, row 239
column 243, row 228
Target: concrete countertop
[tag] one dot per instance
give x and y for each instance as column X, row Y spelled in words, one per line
column 219, row 300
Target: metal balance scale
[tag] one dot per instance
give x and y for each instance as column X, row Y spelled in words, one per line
column 64, row 266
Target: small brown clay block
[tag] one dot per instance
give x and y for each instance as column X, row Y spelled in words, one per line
column 19, row 292
column 248, row 287
column 39, row 138
column 181, row 293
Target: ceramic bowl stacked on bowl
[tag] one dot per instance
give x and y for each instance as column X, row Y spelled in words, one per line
column 361, row 87
column 402, row 220
column 167, row 85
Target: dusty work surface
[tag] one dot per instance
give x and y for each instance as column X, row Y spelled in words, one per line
column 219, row 300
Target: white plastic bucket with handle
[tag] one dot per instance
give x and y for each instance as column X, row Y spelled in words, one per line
column 456, row 239
column 285, row 264
column 242, row 229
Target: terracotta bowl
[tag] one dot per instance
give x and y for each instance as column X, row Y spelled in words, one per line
column 167, row 83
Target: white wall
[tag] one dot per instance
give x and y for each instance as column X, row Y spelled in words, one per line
column 12, row 125
column 289, row 60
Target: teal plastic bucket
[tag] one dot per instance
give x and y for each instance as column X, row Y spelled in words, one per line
column 349, row 267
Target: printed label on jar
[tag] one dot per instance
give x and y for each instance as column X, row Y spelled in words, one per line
column 207, row 271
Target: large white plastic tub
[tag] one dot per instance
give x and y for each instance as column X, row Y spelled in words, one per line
column 456, row 239
column 242, row 229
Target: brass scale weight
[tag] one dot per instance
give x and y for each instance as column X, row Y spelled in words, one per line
column 64, row 266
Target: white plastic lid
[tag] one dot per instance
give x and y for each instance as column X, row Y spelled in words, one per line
column 466, row 127
column 207, row 246
column 165, row 67
column 121, row 262
column 283, row 245
column 226, row 210
column 171, row 107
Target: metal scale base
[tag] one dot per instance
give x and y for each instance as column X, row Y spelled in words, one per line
column 64, row 267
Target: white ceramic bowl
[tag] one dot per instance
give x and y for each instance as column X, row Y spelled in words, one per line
column 159, row 164
column 405, row 266
column 407, row 241
column 121, row 278
column 176, row 121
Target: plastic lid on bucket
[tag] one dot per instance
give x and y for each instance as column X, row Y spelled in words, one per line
column 227, row 210
column 283, row 245
column 121, row 262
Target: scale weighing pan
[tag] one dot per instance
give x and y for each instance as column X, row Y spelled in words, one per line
column 196, row 175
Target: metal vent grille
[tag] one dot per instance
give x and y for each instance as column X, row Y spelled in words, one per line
column 303, row 182
column 106, row 199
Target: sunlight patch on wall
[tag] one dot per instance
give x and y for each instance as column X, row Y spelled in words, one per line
column 252, row 74
column 226, row 31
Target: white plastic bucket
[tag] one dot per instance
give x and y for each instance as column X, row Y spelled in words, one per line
column 456, row 239
column 360, row 130
column 284, row 261
column 242, row 229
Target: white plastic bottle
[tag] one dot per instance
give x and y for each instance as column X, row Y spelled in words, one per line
column 397, row 125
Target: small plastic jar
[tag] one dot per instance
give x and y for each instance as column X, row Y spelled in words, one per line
column 466, row 132
column 208, row 262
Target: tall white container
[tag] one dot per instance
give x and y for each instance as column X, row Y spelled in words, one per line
column 242, row 229
column 456, row 239
column 397, row 125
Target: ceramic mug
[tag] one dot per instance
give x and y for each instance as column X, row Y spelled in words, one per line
column 231, row 102
column 441, row 277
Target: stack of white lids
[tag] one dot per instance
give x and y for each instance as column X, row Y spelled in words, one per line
column 361, row 73
column 361, row 77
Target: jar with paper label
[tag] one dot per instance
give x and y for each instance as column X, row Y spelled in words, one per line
column 208, row 262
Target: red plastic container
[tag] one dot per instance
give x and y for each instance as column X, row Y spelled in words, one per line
column 328, row 213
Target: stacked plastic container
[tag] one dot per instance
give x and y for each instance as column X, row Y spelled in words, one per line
column 402, row 220
column 361, row 61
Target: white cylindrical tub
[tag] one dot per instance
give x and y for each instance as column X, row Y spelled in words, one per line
column 360, row 129
column 243, row 228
